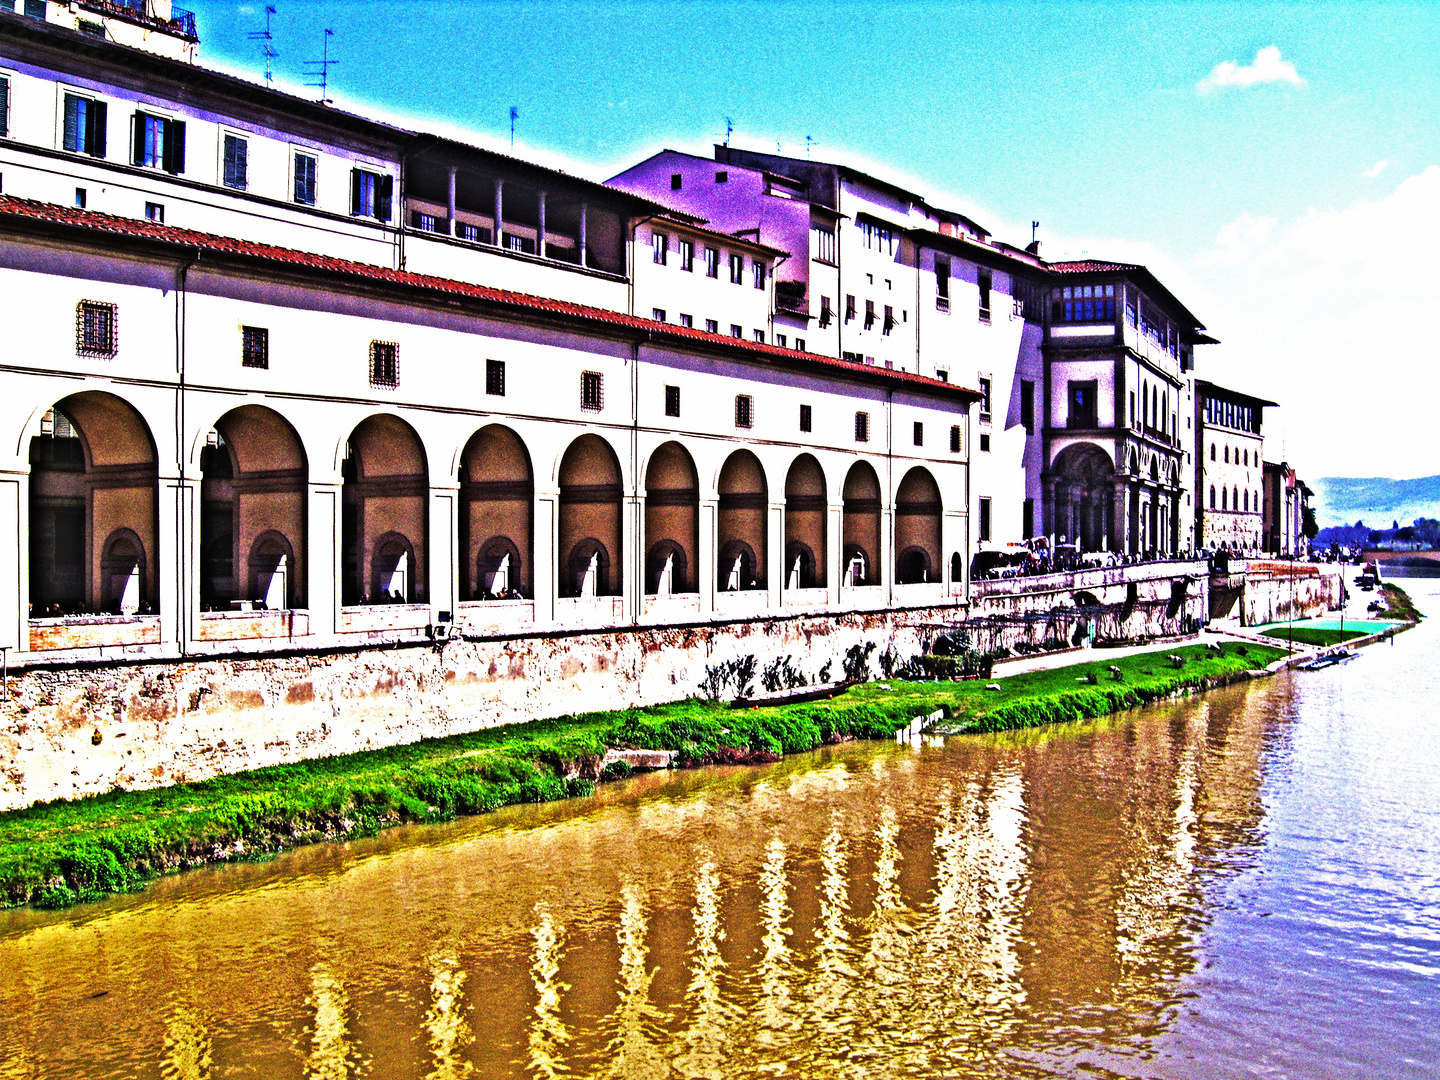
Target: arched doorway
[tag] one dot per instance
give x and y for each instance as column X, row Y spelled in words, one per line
column 917, row 528
column 497, row 489
column 672, row 521
column 861, row 529
column 1084, row 479
column 743, row 506
column 93, row 499
column 806, row 507
column 590, row 528
column 383, row 527
column 253, row 474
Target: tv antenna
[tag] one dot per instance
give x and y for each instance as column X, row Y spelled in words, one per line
column 322, row 67
column 514, row 115
column 1034, row 227
column 809, row 142
column 265, row 37
column 729, row 129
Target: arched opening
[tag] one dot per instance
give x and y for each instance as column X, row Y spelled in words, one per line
column 743, row 505
column 253, row 475
column 1084, row 484
column 806, row 507
column 590, row 519
column 383, row 524
column 917, row 527
column 957, row 568
column 672, row 521
column 497, row 501
column 93, row 498
column 860, row 531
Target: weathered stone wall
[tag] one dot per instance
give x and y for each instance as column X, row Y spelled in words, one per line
column 78, row 731
column 1275, row 591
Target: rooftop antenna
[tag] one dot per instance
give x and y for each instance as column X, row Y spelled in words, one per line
column 1034, row 228
column 323, row 65
column 266, row 47
column 514, row 115
column 729, row 129
column 809, row 142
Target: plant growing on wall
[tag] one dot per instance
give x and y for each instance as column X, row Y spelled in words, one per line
column 780, row 674
column 729, row 679
column 857, row 662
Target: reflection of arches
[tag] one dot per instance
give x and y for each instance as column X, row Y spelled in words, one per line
column 917, row 527
column 665, row 568
column 499, row 569
column 392, row 570
column 272, row 562
column 806, row 504
column 590, row 511
column 860, row 532
column 497, row 490
column 738, row 567
column 589, row 570
column 384, row 502
column 743, row 504
column 1084, row 482
column 672, row 520
column 93, row 475
column 122, row 572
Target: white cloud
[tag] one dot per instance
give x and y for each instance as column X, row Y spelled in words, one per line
column 1375, row 170
column 1267, row 67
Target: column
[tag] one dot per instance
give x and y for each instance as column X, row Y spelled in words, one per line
column 632, row 524
column 1120, row 525
column 887, row 553
column 545, row 539
column 835, row 551
column 322, row 556
column 540, row 231
column 584, row 258
column 775, row 554
column 176, row 555
column 14, row 560
column 450, row 203
column 705, row 555
column 443, row 592
column 499, row 213
column 953, row 525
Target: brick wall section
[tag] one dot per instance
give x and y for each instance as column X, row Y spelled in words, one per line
column 103, row 630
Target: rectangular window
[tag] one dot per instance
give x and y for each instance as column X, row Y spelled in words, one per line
column 985, row 385
column 711, row 326
column 982, row 278
column 370, row 194
column 806, row 418
column 467, row 231
column 955, row 438
column 35, row 9
column 889, row 323
column 712, row 262
column 687, row 320
column 155, row 211
column 736, row 330
column 826, row 312
column 672, row 401
column 159, row 143
column 660, row 247
column 984, row 518
column 1027, row 519
column 423, row 221
column 255, row 347
column 4, row 107
column 757, row 274
column 942, row 283
column 235, row 164
column 849, row 306
column 780, row 340
column 869, row 314
column 760, row 336
column 862, row 427
column 1027, row 406
column 1085, row 304
column 919, row 433
column 80, row 198
column 658, row 314
column 744, row 411
column 305, row 179
column 799, row 344
column 85, row 124
column 721, row 176
column 495, row 378
column 95, row 330
column 984, row 444
column 676, row 179
column 822, row 243
column 1082, row 405
column 384, row 365
column 737, row 270
column 877, row 237
column 592, row 391
column 687, row 255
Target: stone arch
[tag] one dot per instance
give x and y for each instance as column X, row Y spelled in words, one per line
column 384, row 495
column 744, row 501
column 807, row 507
column 1084, row 478
column 253, row 481
column 94, row 478
column 860, row 531
column 272, row 570
column 122, row 572
column 917, row 527
column 590, row 525
column 672, row 520
column 497, row 503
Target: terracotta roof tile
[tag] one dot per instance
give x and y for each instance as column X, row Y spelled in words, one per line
column 142, row 229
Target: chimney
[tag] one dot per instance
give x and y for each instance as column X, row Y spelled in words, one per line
column 1033, row 248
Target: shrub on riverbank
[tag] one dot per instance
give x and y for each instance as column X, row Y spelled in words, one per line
column 1398, row 604
column 58, row 853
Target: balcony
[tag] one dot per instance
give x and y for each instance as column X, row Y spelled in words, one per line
column 160, row 14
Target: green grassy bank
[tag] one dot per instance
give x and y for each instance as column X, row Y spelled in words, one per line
column 60, row 853
column 1310, row 635
column 1398, row 604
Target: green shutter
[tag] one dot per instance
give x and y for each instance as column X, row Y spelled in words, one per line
column 137, row 156
column 172, row 153
column 95, row 130
column 73, row 136
column 385, row 188
column 5, row 107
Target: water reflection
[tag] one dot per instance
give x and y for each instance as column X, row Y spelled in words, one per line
column 1023, row 905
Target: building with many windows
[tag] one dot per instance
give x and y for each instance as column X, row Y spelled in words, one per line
column 1230, row 475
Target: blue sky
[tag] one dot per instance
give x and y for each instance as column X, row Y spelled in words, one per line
column 1256, row 190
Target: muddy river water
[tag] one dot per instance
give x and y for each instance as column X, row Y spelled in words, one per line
column 1243, row 884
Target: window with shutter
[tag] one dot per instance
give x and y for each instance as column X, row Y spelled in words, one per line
column 862, row 427
column 4, row 107
column 236, row 167
column 84, row 125
column 384, row 365
column 305, row 179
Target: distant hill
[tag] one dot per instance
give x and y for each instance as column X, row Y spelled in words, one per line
column 1375, row 500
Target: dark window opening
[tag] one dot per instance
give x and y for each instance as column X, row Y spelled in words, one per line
column 495, row 378
column 254, row 347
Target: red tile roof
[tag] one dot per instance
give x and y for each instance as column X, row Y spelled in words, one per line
column 1090, row 266
column 12, row 208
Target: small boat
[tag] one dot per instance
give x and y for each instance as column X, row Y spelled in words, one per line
column 796, row 696
column 1329, row 659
